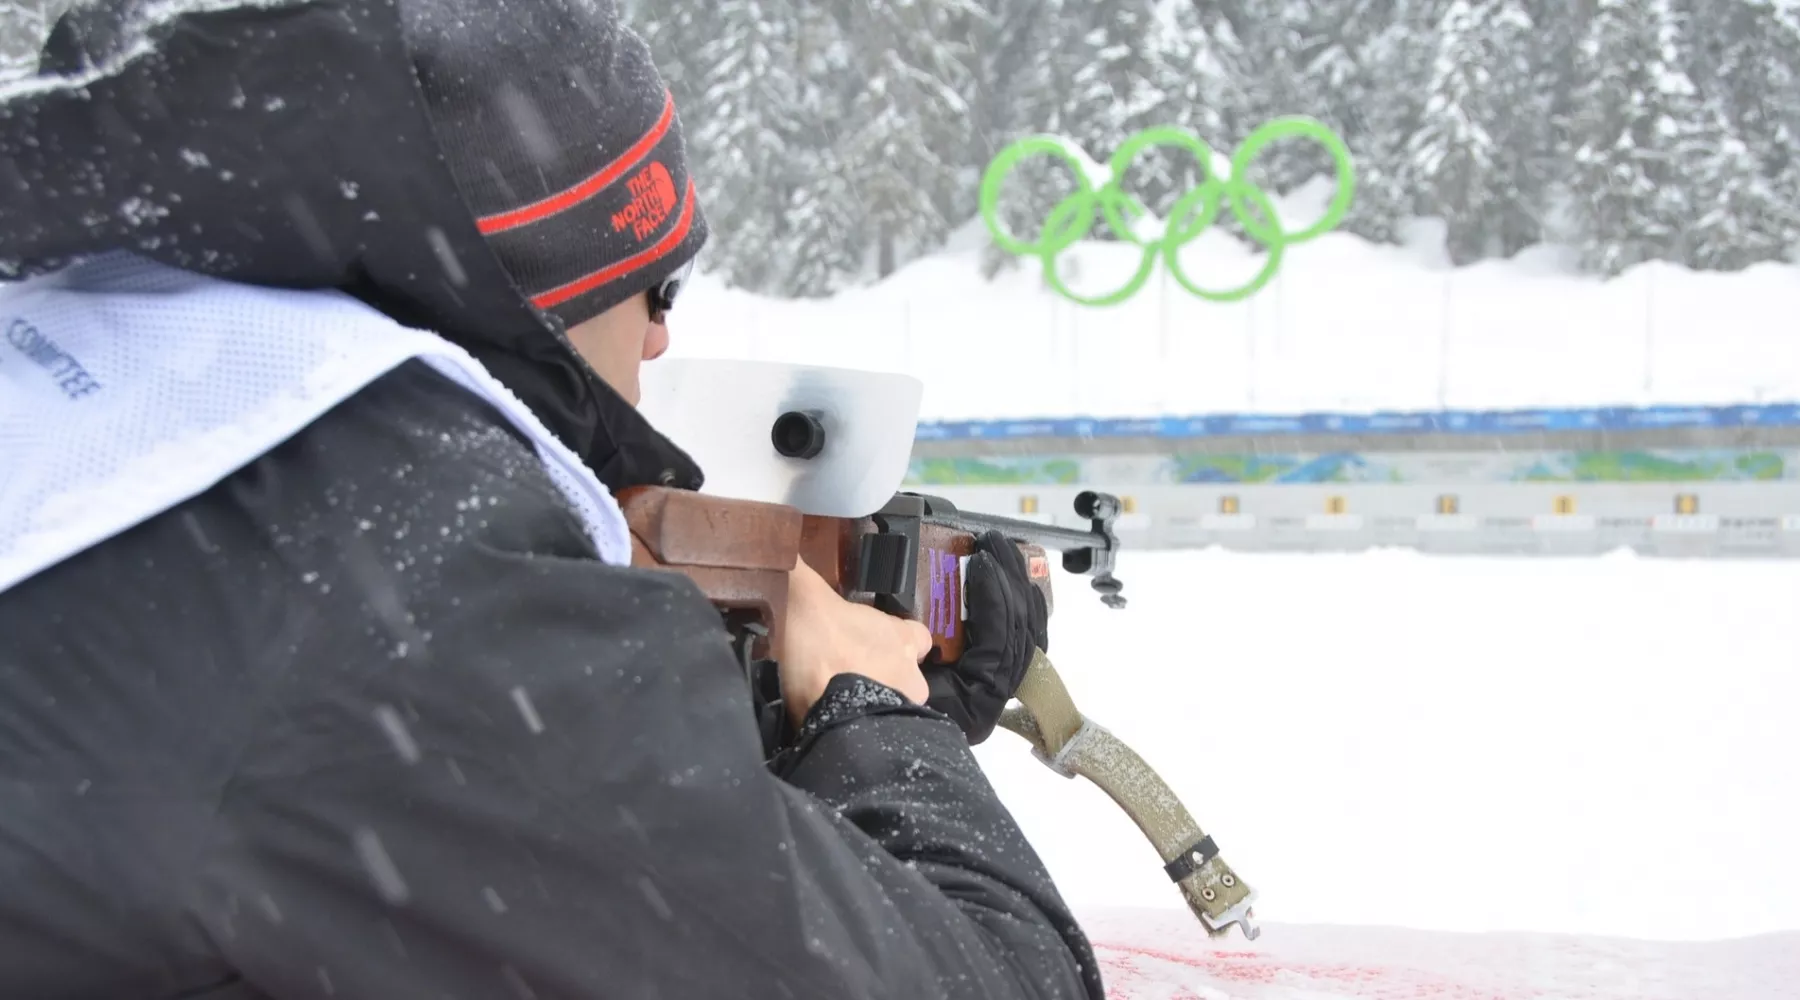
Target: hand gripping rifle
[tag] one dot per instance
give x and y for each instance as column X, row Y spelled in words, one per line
column 905, row 559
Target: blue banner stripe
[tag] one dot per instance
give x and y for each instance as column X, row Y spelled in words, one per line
column 1443, row 422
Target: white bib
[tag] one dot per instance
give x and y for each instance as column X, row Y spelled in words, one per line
column 127, row 387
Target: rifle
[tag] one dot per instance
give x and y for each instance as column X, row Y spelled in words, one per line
column 905, row 560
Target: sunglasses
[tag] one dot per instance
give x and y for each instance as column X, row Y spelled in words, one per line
column 662, row 295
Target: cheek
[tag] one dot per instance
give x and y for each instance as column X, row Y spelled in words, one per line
column 656, row 341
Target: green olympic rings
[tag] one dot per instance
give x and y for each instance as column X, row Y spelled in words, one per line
column 1198, row 208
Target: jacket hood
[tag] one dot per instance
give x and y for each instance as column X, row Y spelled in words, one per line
column 286, row 144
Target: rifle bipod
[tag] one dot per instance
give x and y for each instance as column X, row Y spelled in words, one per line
column 1071, row 744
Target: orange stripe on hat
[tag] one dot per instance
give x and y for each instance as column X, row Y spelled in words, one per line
column 665, row 246
column 539, row 210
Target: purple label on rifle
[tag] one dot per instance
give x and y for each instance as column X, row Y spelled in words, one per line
column 946, row 604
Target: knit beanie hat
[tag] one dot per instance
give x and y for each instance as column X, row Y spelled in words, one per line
column 565, row 144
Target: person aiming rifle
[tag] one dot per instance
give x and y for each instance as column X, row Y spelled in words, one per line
column 323, row 668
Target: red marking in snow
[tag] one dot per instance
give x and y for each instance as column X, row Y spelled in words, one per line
column 1346, row 963
column 1225, row 969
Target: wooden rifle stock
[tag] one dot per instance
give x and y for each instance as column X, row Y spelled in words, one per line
column 905, row 560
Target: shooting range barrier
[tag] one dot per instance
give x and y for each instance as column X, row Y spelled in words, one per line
column 1673, row 481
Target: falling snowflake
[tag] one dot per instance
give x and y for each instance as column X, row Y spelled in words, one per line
column 138, row 211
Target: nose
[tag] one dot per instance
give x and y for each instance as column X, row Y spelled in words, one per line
column 656, row 341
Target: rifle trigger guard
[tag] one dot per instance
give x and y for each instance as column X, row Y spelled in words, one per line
column 743, row 641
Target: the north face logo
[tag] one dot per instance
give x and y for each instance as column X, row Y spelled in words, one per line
column 652, row 199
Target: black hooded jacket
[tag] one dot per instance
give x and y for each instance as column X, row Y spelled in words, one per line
column 369, row 718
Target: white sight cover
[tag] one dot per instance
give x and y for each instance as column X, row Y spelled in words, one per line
column 722, row 412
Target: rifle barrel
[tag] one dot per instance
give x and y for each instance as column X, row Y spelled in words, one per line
column 1049, row 536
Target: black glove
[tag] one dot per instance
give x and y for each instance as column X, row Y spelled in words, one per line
column 1007, row 618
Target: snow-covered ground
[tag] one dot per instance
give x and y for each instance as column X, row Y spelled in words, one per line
column 1589, row 747
column 1344, row 325
column 1152, row 956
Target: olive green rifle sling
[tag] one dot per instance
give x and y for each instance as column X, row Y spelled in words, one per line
column 1072, row 744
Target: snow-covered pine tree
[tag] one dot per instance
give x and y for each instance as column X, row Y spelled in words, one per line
column 1273, row 38
column 1742, row 217
column 1380, row 81
column 1017, row 94
column 1561, row 26
column 1111, row 88
column 1557, row 68
column 1744, row 56
column 677, row 35
column 1112, row 79
column 750, row 131
column 1333, row 53
column 818, row 212
column 823, row 237
column 1480, row 151
column 1638, row 123
column 1211, row 75
column 1014, row 78
column 1201, row 72
column 905, row 135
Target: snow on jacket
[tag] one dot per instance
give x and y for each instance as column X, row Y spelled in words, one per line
column 371, row 717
